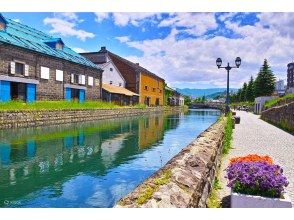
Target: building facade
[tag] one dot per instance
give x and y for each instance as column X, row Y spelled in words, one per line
column 290, row 78
column 36, row 66
column 279, row 88
column 173, row 98
column 139, row 80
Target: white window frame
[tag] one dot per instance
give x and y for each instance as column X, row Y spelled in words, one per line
column 59, row 75
column 45, row 73
column 90, row 80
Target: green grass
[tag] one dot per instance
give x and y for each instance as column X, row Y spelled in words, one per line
column 149, row 190
column 214, row 199
column 277, row 101
column 247, row 104
column 228, row 134
column 56, row 105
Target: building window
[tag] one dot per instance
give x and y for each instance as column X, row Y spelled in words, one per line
column 90, row 81
column 119, row 84
column 19, row 68
column 146, row 87
column 154, row 89
column 76, row 78
column 160, row 91
column 110, row 82
column 44, row 72
column 111, row 69
column 59, row 75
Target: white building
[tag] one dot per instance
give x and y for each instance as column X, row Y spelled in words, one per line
column 111, row 75
column 259, row 103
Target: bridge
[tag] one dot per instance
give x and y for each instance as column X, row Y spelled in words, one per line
column 206, row 105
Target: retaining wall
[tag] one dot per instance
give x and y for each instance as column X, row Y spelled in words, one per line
column 34, row 118
column 282, row 116
column 186, row 180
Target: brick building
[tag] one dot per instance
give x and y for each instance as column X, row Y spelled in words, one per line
column 139, row 80
column 36, row 66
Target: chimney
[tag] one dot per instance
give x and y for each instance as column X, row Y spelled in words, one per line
column 103, row 49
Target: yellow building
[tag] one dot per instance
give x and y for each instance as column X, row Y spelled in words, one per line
column 139, row 80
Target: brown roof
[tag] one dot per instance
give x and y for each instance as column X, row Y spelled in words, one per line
column 118, row 90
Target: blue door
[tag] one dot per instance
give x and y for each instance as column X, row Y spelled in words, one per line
column 31, row 92
column 82, row 95
column 68, row 94
column 4, row 91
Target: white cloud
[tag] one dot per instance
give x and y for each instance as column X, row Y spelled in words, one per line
column 79, row 50
column 195, row 23
column 123, row 18
column 100, row 16
column 123, row 39
column 17, row 20
column 193, row 60
column 65, row 25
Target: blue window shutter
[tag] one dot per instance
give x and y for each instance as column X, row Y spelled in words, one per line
column 82, row 95
column 4, row 91
column 67, row 93
column 31, row 149
column 31, row 92
column 5, row 152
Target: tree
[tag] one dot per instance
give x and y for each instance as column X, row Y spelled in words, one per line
column 250, row 90
column 243, row 92
column 264, row 84
column 238, row 95
column 187, row 100
column 203, row 99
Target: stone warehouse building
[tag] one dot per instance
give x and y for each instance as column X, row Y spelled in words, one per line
column 36, row 66
column 139, row 80
column 290, row 78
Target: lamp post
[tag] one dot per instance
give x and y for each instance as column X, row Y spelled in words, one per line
column 228, row 68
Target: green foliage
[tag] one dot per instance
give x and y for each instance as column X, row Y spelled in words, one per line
column 214, row 200
column 140, row 106
column 187, row 100
column 56, row 105
column 149, row 190
column 280, row 100
column 250, row 90
column 243, row 94
column 264, row 84
column 228, row 134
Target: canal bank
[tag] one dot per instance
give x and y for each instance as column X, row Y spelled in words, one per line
column 35, row 118
column 91, row 164
column 186, row 180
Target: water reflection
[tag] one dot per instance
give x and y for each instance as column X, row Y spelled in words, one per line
column 90, row 164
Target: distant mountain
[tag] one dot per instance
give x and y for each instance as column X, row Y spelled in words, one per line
column 195, row 93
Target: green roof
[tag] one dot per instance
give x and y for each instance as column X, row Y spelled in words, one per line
column 21, row 35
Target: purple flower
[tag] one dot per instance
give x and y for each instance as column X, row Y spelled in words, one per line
column 256, row 178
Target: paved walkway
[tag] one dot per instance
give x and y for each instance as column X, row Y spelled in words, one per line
column 253, row 135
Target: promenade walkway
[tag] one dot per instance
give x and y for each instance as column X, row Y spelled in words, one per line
column 254, row 135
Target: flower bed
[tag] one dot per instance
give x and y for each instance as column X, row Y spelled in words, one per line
column 257, row 176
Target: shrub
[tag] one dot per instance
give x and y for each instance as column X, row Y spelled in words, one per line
column 228, row 134
column 257, row 178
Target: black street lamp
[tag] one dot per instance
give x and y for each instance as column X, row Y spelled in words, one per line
column 228, row 68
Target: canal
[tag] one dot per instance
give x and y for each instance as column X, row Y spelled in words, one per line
column 91, row 164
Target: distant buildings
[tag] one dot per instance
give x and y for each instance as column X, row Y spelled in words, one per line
column 259, row 103
column 290, row 78
column 138, row 80
column 279, row 88
column 173, row 98
column 36, row 66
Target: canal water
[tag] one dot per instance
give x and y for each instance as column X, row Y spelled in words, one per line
column 91, row 164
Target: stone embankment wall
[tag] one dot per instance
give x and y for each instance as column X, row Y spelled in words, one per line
column 34, row 118
column 186, row 180
column 282, row 116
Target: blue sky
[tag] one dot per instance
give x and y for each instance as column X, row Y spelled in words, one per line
column 181, row 47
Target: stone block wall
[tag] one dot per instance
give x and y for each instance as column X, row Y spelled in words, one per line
column 282, row 116
column 34, row 118
column 186, row 180
column 50, row 89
